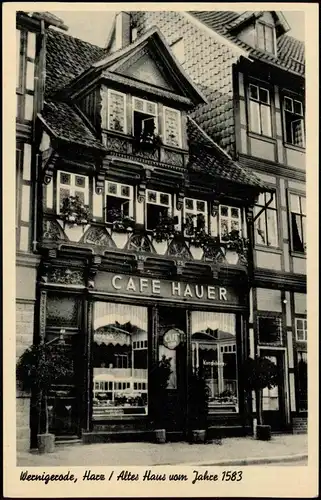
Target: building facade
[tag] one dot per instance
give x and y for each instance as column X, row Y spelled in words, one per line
column 252, row 74
column 137, row 234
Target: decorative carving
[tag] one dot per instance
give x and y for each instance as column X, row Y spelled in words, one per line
column 117, row 144
column 92, row 270
column 180, row 200
column 150, row 154
column 179, row 267
column 140, row 242
column 42, row 315
column 141, row 194
column 173, row 158
column 98, row 236
column 214, row 254
column 65, row 276
column 178, row 247
column 52, row 231
column 141, row 262
column 48, row 166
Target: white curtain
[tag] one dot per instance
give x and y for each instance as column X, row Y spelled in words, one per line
column 201, row 320
column 106, row 313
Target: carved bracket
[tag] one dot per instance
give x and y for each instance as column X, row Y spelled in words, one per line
column 48, row 166
column 100, row 178
column 92, row 270
column 214, row 208
column 141, row 259
column 180, row 264
column 141, row 193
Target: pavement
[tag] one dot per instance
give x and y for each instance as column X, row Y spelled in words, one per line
column 282, row 449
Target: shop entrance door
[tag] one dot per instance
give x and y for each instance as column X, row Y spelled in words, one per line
column 172, row 321
column 65, row 398
column 274, row 399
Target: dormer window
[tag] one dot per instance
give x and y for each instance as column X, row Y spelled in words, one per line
column 265, row 37
column 145, row 119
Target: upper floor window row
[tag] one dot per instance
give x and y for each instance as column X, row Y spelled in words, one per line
column 260, row 115
column 145, row 117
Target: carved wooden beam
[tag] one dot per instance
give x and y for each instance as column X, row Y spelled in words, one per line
column 48, row 165
column 93, row 269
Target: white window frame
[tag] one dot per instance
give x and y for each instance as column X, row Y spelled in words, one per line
column 301, row 118
column 157, row 202
column 261, row 103
column 196, row 212
column 118, row 194
column 229, row 219
column 144, row 110
column 304, row 329
column 264, row 24
column 109, row 92
column 72, row 187
column 179, row 126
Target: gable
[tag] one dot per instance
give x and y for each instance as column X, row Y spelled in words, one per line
column 144, row 68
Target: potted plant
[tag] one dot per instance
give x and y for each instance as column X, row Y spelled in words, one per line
column 38, row 368
column 260, row 373
column 159, row 377
column 165, row 229
column 121, row 222
column 198, row 397
column 73, row 211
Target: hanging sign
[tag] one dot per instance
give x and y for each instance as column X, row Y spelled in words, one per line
column 172, row 338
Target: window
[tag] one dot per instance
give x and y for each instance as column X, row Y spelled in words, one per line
column 119, row 201
column 302, row 367
column 195, row 215
column 265, row 38
column 265, row 226
column 293, row 122
column 230, row 220
column 301, row 329
column 71, row 185
column 116, row 111
column 214, row 354
column 120, row 372
column 179, row 50
column 260, row 110
column 172, row 127
column 270, row 330
column 25, row 73
column 145, row 119
column 158, row 205
column 298, row 215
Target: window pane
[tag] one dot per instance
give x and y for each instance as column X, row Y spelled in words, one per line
column 302, row 199
column 288, row 104
column 272, row 231
column 31, row 47
column 224, row 211
column 259, row 228
column 264, row 96
column 295, row 203
column 189, row 203
column 151, row 197
column 80, row 181
column 298, row 107
column 266, row 120
column 172, row 125
column 298, row 133
column 125, row 191
column 28, row 107
column 30, row 76
column 255, row 117
column 117, row 112
column 18, row 41
column 164, row 199
column 112, row 188
column 303, row 380
column 297, row 236
column 254, row 92
column 200, row 206
column 269, row 330
column 224, row 227
column 62, row 311
column 120, row 360
column 65, row 178
column 214, row 355
column 269, row 45
column 235, row 213
column 81, row 196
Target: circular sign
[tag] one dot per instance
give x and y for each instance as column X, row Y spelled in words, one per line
column 172, row 338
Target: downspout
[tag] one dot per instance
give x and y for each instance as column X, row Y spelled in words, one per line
column 39, row 106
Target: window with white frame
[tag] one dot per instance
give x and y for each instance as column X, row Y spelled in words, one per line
column 298, row 217
column 265, row 226
column 195, row 215
column 119, row 201
column 25, row 73
column 229, row 220
column 172, row 127
column 116, row 111
column 293, row 122
column 259, row 110
column 265, row 37
column 69, row 184
column 301, row 329
column 158, row 205
column 145, row 119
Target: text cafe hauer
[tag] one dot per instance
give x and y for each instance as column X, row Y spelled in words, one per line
column 166, row 289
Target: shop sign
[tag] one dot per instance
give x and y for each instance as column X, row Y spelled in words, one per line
column 130, row 285
column 172, row 338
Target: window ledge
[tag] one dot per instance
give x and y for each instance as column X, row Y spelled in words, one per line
column 302, row 255
column 265, row 138
column 266, row 248
column 295, row 148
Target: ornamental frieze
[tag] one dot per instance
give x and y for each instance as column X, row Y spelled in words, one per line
column 64, row 276
column 98, row 236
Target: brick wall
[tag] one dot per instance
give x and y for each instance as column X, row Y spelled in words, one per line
column 209, row 64
column 300, row 425
column 24, row 338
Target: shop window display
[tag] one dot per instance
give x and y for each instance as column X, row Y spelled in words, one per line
column 120, row 358
column 214, row 353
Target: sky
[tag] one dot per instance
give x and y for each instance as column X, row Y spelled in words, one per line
column 94, row 26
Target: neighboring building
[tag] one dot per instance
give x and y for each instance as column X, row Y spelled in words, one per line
column 253, row 76
column 126, row 212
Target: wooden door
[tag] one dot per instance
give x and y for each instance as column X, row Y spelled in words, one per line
column 274, row 399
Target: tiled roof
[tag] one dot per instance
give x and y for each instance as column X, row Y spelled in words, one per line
column 206, row 156
column 48, row 17
column 66, row 125
column 290, row 51
column 66, row 58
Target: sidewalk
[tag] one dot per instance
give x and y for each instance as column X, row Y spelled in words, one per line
column 231, row 451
